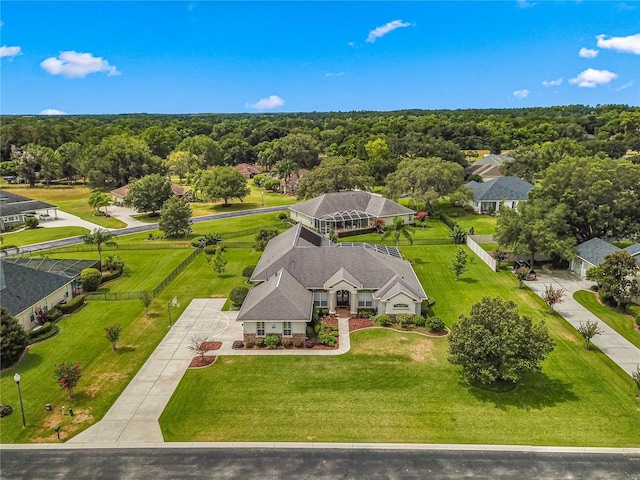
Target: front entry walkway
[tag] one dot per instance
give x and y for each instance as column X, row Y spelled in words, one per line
column 610, row 342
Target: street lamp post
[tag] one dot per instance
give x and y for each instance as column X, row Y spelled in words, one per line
column 16, row 378
column 262, row 202
column 172, row 303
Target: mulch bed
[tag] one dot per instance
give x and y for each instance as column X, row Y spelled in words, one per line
column 358, row 323
column 331, row 321
column 207, row 346
column 199, row 362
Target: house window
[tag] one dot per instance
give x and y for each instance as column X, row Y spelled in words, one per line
column 365, row 299
column 403, row 306
column 320, row 299
column 32, row 318
column 286, row 329
column 260, row 329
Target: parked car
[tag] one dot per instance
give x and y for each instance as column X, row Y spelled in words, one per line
column 524, row 264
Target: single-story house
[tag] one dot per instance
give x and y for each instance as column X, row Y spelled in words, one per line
column 15, row 209
column 248, row 170
column 488, row 167
column 290, row 185
column 592, row 252
column 301, row 269
column 499, row 192
column 348, row 210
column 118, row 195
column 27, row 284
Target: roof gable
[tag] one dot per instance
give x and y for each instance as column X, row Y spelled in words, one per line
column 593, row 251
column 340, row 275
column 350, row 200
column 501, row 188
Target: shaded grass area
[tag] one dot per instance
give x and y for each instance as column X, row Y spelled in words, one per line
column 105, row 373
column 37, row 235
column 623, row 324
column 71, row 199
column 399, row 387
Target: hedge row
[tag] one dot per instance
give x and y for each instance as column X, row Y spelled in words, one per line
column 72, row 305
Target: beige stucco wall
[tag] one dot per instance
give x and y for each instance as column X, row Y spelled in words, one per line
column 51, row 301
column 401, row 298
column 299, row 217
column 275, row 327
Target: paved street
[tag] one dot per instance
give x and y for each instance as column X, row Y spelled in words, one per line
column 193, row 461
column 611, row 343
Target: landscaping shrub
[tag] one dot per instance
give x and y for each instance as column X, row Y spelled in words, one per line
column 260, row 342
column 272, row 184
column 237, row 296
column 435, row 324
column 32, row 222
column 197, row 242
column 54, row 314
column 309, row 343
column 310, row 331
column 211, row 249
column 90, row 278
column 384, row 320
column 72, row 305
column 283, row 216
column 328, row 339
column 272, row 340
column 419, row 320
column 13, row 339
column 298, row 344
column 405, row 320
column 42, row 333
column 248, row 271
column 250, row 344
column 633, row 309
column 366, row 312
column 111, row 276
column 638, row 319
column 238, row 344
column 287, row 342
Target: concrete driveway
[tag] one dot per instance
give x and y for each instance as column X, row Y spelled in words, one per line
column 612, row 344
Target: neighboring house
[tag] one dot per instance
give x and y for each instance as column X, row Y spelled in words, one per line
column 27, row 284
column 118, row 195
column 300, row 269
column 248, row 170
column 592, row 252
column 15, row 209
column 349, row 210
column 290, row 185
column 488, row 167
column 499, row 192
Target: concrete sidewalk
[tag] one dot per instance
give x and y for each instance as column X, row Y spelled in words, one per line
column 610, row 342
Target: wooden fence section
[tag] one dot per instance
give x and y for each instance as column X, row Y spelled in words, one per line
column 481, row 253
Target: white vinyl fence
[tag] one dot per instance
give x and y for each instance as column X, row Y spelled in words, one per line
column 480, row 252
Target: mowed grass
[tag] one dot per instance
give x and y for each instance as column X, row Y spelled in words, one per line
column 71, row 199
column 481, row 224
column 253, row 200
column 623, row 324
column 432, row 229
column 399, row 387
column 105, row 373
column 41, row 234
column 143, row 269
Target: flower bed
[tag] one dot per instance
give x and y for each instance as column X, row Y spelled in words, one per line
column 358, row 323
column 208, row 346
column 204, row 361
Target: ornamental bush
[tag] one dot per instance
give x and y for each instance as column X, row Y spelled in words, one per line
column 384, row 320
column 405, row 320
column 237, row 296
column 272, row 340
column 248, row 271
column 435, row 324
column 68, row 375
column 419, row 320
column 72, row 305
column 13, row 339
column 90, row 278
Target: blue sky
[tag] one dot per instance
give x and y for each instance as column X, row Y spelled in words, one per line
column 198, row 56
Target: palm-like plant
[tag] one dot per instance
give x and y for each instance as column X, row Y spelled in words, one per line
column 286, row 168
column 98, row 200
column 113, row 262
column 399, row 229
column 99, row 237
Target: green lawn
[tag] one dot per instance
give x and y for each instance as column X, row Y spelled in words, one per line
column 623, row 324
column 69, row 199
column 481, row 224
column 399, row 387
column 105, row 373
column 432, row 229
column 30, row 236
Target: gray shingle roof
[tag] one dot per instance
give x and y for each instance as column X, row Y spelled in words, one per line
column 329, row 203
column 280, row 297
column 13, row 204
column 594, row 250
column 25, row 286
column 312, row 266
column 502, row 188
column 634, row 250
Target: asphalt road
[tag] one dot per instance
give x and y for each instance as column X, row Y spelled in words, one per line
column 146, row 228
column 179, row 463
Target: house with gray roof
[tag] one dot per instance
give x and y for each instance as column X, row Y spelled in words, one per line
column 500, row 192
column 593, row 252
column 488, row 167
column 15, row 209
column 348, row 210
column 301, row 269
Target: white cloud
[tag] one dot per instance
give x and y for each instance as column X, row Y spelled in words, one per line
column 588, row 53
column 591, row 78
column 76, row 64
column 331, row 74
column 52, row 111
column 521, row 93
column 525, row 4
column 552, row 83
column 267, row 103
column 351, row 44
column 630, row 44
column 10, row 52
column 626, row 85
column 386, row 28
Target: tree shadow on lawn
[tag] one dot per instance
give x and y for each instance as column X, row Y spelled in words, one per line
column 125, row 349
column 469, row 280
column 533, row 392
